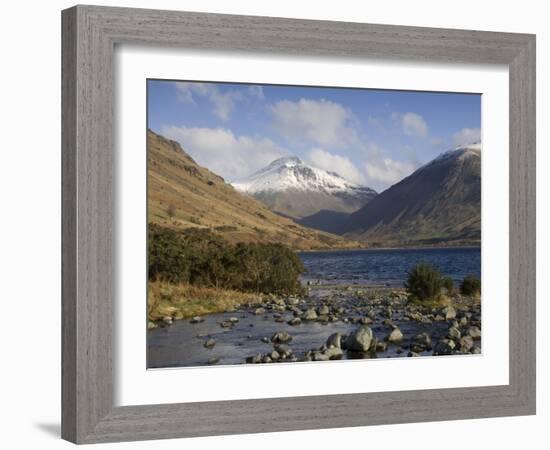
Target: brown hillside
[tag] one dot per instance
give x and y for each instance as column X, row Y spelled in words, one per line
column 181, row 194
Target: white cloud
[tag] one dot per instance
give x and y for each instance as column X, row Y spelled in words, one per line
column 224, row 102
column 414, row 125
column 466, row 136
column 319, row 121
column 335, row 163
column 225, row 154
column 384, row 172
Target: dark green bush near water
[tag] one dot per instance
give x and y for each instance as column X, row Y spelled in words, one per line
column 202, row 258
column 448, row 284
column 424, row 282
column 471, row 285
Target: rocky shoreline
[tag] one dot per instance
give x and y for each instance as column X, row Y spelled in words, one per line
column 372, row 322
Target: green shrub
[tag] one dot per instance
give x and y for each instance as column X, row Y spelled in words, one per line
column 448, row 284
column 471, row 286
column 202, row 258
column 424, row 282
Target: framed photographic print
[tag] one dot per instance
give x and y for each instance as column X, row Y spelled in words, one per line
column 277, row 224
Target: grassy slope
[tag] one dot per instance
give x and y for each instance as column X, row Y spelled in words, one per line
column 182, row 194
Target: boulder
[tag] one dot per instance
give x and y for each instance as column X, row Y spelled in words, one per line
column 423, row 339
column 334, row 353
column 167, row 320
column 381, row 346
column 454, row 333
column 151, row 325
column 283, row 350
column 334, row 340
column 309, row 314
column 474, row 332
column 466, row 343
column 295, row 321
column 319, row 356
column 259, row 311
column 209, row 343
column 365, row 320
column 196, row 319
column 449, row 312
column 281, row 337
column 395, row 336
column 442, row 348
column 256, row 359
column 323, row 310
column 360, row 340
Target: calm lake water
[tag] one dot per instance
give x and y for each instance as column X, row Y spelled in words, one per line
column 387, row 266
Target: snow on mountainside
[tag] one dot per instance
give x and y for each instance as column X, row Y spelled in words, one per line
column 292, row 188
column 291, row 173
column 460, row 152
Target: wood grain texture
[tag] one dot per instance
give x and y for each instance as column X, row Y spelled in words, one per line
column 89, row 37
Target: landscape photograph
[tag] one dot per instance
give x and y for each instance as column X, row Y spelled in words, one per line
column 294, row 224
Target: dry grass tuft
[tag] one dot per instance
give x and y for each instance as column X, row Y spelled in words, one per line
column 182, row 300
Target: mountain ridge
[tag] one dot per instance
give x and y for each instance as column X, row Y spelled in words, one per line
column 181, row 194
column 292, row 188
column 439, row 203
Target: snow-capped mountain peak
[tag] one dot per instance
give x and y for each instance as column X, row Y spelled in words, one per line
column 291, row 173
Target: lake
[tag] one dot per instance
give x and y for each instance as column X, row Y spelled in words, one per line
column 387, row 266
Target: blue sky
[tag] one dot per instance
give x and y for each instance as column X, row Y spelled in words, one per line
column 371, row 137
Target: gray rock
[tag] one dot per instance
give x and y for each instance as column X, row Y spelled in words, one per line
column 395, row 336
column 466, row 344
column 442, row 348
column 449, row 312
column 474, row 332
column 476, row 350
column 334, row 353
column 209, row 343
column 256, row 359
column 360, row 340
column 323, row 310
column 334, row 340
column 167, row 320
column 381, row 346
column 275, row 356
column 318, row 356
column 295, row 321
column 151, row 325
column 233, row 319
column 259, row 311
column 196, row 319
column 423, row 339
column 365, row 320
column 281, row 337
column 213, row 360
column 309, row 314
column 284, row 350
column 412, row 354
column 454, row 333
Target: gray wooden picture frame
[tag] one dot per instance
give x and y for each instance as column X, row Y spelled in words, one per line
column 90, row 34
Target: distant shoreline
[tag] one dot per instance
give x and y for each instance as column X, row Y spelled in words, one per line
column 387, row 248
